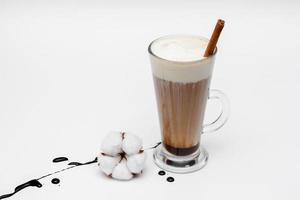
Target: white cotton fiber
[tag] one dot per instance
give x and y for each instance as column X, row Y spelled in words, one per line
column 136, row 162
column 108, row 163
column 132, row 144
column 121, row 172
column 112, row 144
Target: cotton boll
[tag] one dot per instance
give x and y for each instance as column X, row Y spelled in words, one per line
column 121, row 171
column 136, row 162
column 132, row 144
column 112, row 144
column 121, row 155
column 108, row 163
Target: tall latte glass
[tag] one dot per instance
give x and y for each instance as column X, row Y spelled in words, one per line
column 182, row 78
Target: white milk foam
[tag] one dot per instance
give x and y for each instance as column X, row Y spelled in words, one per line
column 179, row 58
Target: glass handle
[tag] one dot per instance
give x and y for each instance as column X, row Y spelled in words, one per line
column 223, row 116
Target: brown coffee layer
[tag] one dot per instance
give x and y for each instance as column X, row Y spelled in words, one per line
column 181, row 108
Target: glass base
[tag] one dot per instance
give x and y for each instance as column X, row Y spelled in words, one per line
column 180, row 164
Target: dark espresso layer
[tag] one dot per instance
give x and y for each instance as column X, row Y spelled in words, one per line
column 181, row 108
column 181, row 151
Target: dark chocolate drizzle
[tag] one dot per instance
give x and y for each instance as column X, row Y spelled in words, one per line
column 153, row 146
column 36, row 182
column 86, row 163
column 156, row 145
column 31, row 183
column 59, row 159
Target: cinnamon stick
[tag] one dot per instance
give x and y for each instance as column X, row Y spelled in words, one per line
column 214, row 38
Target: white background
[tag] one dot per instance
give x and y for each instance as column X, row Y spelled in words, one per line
column 71, row 71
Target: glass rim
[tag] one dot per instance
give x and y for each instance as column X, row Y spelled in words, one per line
column 172, row 61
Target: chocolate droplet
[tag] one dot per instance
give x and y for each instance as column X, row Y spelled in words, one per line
column 162, row 173
column 55, row 181
column 170, row 179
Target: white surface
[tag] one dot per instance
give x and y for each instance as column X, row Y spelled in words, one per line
column 69, row 72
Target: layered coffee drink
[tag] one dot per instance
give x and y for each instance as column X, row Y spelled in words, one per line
column 181, row 78
column 181, row 110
